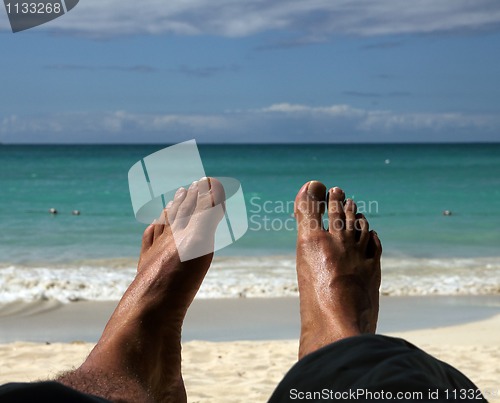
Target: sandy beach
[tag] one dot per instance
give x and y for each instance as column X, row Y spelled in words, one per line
column 230, row 363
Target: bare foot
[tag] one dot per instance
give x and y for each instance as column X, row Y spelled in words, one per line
column 338, row 269
column 138, row 357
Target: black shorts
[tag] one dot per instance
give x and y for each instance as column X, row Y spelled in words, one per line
column 374, row 368
column 52, row 392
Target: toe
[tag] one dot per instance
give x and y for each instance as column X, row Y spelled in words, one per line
column 210, row 206
column 159, row 225
column 147, row 238
column 210, row 194
column 374, row 247
column 187, row 206
column 310, row 205
column 350, row 210
column 362, row 230
column 172, row 209
column 336, row 213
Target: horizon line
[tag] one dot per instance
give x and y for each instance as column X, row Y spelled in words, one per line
column 257, row 143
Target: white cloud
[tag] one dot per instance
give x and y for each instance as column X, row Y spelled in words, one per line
column 115, row 126
column 311, row 18
column 377, row 120
column 285, row 108
column 344, row 111
column 17, row 124
column 388, row 121
column 275, row 123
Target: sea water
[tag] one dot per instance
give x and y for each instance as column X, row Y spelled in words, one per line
column 402, row 189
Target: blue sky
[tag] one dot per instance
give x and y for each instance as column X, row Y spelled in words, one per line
column 121, row 71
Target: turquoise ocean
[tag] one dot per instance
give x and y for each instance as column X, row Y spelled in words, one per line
column 402, row 189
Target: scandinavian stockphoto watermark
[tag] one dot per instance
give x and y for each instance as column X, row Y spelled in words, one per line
column 278, row 215
column 153, row 182
column 28, row 14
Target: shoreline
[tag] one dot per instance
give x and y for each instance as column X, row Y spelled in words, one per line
column 233, row 319
column 236, row 277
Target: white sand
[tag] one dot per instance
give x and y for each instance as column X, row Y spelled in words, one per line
column 246, row 371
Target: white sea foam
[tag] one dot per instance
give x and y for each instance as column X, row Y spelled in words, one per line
column 244, row 277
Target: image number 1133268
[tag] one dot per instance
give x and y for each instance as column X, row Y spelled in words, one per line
column 34, row 8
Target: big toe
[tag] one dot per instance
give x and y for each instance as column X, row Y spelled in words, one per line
column 210, row 194
column 310, row 205
column 209, row 205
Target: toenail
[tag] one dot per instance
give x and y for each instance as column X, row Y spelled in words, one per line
column 340, row 192
column 193, row 185
column 312, row 189
column 205, row 188
column 179, row 193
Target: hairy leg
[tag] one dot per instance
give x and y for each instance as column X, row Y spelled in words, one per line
column 138, row 357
